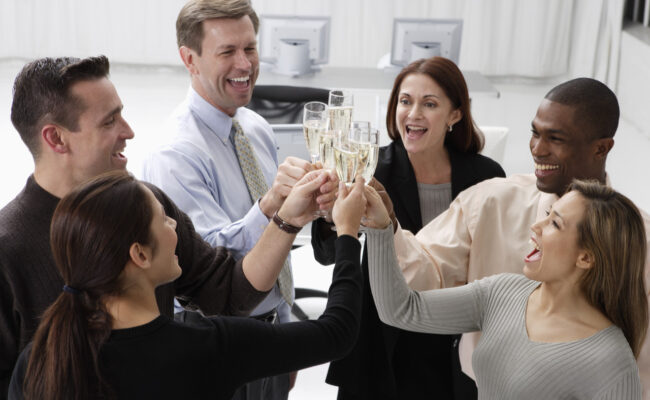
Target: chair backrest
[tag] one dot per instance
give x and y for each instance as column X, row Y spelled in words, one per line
column 495, row 142
column 284, row 104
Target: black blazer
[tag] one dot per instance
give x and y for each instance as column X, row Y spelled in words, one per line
column 387, row 362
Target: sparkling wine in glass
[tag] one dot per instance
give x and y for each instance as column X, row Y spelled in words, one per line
column 315, row 120
column 367, row 141
column 346, row 157
column 326, row 148
column 341, row 103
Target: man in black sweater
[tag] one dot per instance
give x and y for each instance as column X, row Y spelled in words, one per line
column 69, row 115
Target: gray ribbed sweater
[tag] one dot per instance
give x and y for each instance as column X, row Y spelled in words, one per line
column 507, row 364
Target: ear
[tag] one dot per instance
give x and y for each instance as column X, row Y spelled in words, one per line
column 603, row 146
column 140, row 255
column 189, row 58
column 54, row 138
column 585, row 260
column 456, row 116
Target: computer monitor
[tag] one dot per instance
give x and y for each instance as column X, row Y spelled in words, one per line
column 414, row 39
column 294, row 44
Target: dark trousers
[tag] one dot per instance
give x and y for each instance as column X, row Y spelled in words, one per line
column 271, row 388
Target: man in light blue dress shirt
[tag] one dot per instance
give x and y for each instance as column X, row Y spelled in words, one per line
column 199, row 169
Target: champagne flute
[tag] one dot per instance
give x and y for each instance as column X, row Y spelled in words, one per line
column 315, row 119
column 346, row 157
column 340, row 106
column 326, row 154
column 326, row 148
column 360, row 125
column 367, row 141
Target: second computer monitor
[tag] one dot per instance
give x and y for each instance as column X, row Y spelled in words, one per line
column 424, row 38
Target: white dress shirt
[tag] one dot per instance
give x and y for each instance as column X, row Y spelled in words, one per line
column 200, row 171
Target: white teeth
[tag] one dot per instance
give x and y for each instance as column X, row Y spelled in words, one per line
column 545, row 167
column 535, row 245
column 416, row 128
column 242, row 79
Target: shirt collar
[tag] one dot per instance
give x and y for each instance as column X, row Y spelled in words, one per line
column 219, row 122
column 546, row 200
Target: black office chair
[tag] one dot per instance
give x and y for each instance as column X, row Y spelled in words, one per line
column 284, row 104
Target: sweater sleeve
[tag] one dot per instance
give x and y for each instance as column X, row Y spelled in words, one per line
column 253, row 349
column 441, row 311
column 212, row 279
column 627, row 386
column 322, row 241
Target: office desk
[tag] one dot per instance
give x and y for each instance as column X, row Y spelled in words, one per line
column 363, row 79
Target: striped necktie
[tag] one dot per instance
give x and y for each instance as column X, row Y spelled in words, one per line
column 257, row 187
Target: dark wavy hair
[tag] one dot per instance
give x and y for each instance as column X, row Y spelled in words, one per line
column 465, row 136
column 91, row 233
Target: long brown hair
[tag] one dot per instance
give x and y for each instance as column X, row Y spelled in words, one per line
column 92, row 230
column 612, row 230
column 465, row 137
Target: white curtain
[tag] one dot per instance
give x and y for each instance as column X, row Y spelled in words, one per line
column 139, row 32
column 529, row 38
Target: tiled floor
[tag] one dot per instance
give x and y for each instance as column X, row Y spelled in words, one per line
column 149, row 95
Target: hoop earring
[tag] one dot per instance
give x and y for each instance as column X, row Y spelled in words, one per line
column 449, row 127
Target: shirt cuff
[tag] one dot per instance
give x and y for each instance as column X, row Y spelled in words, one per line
column 255, row 222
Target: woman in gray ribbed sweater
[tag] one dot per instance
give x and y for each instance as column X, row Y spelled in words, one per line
column 569, row 329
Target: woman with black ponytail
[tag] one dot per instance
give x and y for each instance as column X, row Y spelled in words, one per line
column 104, row 336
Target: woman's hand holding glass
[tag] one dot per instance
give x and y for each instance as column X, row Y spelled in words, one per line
column 376, row 215
column 349, row 207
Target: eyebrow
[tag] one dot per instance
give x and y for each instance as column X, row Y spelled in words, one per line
column 556, row 131
column 114, row 111
column 558, row 215
column 234, row 46
column 424, row 97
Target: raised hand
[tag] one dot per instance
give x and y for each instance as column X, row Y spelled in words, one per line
column 327, row 192
column 376, row 214
column 299, row 207
column 291, row 171
column 387, row 202
column 349, row 207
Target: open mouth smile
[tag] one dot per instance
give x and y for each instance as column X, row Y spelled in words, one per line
column 536, row 254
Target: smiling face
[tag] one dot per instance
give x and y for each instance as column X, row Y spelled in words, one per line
column 562, row 150
column 225, row 72
column 556, row 254
column 423, row 114
column 97, row 146
column 164, row 262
